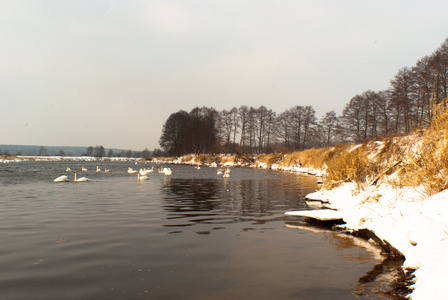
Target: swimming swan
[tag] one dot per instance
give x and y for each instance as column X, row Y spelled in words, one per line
column 82, row 179
column 141, row 177
column 62, row 178
column 227, row 173
column 167, row 171
column 130, row 171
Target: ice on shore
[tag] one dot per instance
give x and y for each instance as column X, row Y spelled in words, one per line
column 413, row 223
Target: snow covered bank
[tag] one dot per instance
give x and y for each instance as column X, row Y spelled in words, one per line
column 396, row 188
column 413, row 223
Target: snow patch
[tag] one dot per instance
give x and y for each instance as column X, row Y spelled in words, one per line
column 414, row 224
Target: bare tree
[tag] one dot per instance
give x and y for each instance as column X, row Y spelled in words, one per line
column 309, row 121
column 235, row 122
column 297, row 116
column 382, row 105
column 352, row 116
column 401, row 93
column 284, row 128
column 439, row 63
column 329, row 124
column 100, row 151
column 226, row 126
column 423, row 74
column 243, row 113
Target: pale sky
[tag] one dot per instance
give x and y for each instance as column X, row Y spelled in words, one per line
column 97, row 72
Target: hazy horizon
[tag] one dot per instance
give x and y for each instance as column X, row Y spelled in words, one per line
column 110, row 73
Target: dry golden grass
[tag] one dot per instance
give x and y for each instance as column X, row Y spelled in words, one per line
column 314, row 158
column 344, row 166
column 227, row 159
column 418, row 159
column 269, row 159
column 186, row 158
column 205, row 158
column 430, row 167
column 166, row 159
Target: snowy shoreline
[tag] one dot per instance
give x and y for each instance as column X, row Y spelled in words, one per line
column 405, row 218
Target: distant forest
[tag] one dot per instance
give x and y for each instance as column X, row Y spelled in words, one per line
column 405, row 106
column 97, row 151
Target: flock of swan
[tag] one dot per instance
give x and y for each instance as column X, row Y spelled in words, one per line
column 64, row 178
column 225, row 171
column 142, row 174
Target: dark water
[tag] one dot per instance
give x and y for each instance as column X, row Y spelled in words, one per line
column 191, row 235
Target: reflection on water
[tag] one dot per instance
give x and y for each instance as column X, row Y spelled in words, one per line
column 387, row 279
column 259, row 199
column 190, row 195
column 191, row 235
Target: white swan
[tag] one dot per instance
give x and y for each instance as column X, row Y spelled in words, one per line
column 98, row 169
column 131, row 171
column 82, row 179
column 167, row 171
column 106, row 170
column 141, row 177
column 83, row 169
column 67, row 169
column 150, row 170
column 227, row 173
column 143, row 172
column 62, row 178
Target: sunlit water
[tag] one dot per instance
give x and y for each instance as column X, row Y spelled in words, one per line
column 191, row 235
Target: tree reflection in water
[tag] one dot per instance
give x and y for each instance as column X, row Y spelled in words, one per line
column 213, row 201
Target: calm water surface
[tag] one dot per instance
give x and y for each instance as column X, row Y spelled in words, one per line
column 191, row 235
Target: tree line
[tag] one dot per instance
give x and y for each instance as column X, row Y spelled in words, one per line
column 407, row 104
column 97, row 151
column 100, row 151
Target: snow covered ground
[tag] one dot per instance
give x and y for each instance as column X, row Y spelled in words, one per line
column 413, row 223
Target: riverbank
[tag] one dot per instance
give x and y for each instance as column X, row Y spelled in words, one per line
column 406, row 217
column 395, row 188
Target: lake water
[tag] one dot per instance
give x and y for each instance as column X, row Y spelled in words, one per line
column 191, row 235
